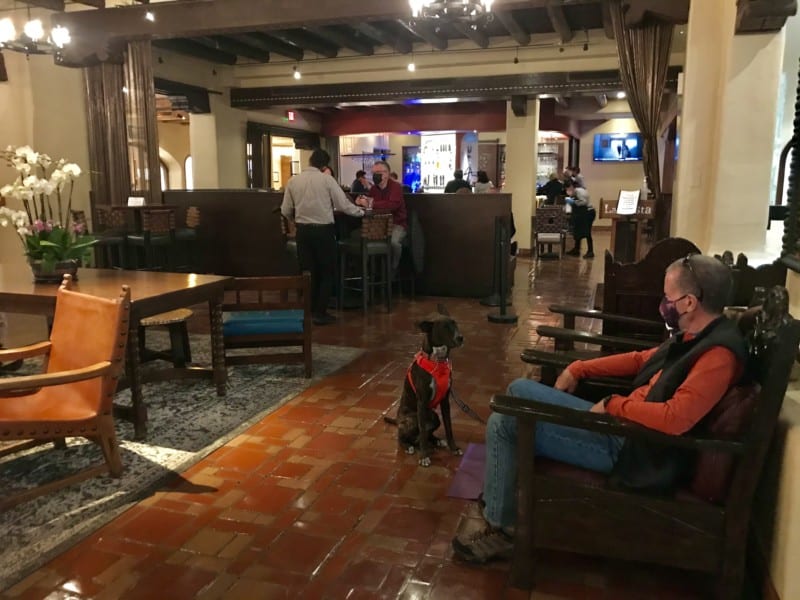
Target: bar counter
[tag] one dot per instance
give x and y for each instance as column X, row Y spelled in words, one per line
column 240, row 235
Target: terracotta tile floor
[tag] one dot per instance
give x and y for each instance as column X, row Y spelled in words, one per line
column 317, row 502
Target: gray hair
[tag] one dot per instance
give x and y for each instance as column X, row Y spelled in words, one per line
column 706, row 278
column 384, row 163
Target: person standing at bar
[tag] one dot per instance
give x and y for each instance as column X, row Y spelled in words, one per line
column 583, row 215
column 387, row 195
column 310, row 199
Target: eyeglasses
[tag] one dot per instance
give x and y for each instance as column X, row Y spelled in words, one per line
column 687, row 262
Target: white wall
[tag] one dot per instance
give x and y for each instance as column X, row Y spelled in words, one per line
column 42, row 106
column 606, row 179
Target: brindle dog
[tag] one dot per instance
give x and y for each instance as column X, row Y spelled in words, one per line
column 416, row 415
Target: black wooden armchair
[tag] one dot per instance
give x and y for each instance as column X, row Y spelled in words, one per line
column 570, row 509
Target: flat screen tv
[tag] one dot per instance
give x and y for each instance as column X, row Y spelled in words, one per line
column 617, row 147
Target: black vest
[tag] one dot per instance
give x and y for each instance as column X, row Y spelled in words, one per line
column 652, row 467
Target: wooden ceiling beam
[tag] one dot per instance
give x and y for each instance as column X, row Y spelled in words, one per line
column 426, row 32
column 343, row 40
column 195, row 50
column 269, row 44
column 307, row 40
column 608, row 26
column 476, row 35
column 602, row 100
column 400, row 43
column 669, row 11
column 514, row 29
column 48, row 4
column 559, row 21
column 233, row 46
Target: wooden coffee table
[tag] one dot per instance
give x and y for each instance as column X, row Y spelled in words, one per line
column 152, row 292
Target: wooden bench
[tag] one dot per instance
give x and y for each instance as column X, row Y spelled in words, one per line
column 268, row 312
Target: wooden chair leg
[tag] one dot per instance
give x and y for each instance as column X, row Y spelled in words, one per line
column 364, row 280
column 388, row 281
column 179, row 344
column 110, row 447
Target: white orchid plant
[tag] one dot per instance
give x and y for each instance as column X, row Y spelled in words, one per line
column 46, row 235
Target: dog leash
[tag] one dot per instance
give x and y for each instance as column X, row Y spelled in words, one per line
column 464, row 406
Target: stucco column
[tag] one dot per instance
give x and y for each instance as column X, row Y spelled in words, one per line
column 521, row 162
column 203, row 144
column 747, row 139
column 709, row 37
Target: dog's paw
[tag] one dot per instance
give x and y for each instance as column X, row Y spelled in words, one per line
column 411, row 450
column 425, row 461
column 457, row 451
column 441, row 443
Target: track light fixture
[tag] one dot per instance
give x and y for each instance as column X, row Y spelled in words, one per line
column 516, row 56
column 296, row 73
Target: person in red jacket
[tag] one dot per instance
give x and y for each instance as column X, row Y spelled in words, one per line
column 387, row 195
column 675, row 386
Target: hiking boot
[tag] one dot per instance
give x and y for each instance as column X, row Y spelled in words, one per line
column 483, row 546
column 589, row 255
column 573, row 252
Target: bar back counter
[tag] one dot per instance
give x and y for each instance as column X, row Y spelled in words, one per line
column 240, row 235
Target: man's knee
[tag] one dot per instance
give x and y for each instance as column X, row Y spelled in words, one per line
column 522, row 387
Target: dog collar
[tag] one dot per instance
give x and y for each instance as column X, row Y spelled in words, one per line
column 439, row 370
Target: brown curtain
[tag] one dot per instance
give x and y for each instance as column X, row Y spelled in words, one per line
column 643, row 62
column 140, row 112
column 105, row 102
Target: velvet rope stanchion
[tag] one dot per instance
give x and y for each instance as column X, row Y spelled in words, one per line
column 503, row 245
column 493, row 299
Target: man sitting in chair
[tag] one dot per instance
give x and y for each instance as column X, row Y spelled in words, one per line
column 676, row 385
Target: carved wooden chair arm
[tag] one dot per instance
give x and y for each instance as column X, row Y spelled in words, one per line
column 568, row 337
column 37, row 349
column 531, row 410
column 570, row 312
column 30, row 382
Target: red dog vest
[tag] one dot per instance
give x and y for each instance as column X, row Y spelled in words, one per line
column 439, row 370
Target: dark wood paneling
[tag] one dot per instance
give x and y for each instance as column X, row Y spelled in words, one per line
column 239, row 233
column 459, row 241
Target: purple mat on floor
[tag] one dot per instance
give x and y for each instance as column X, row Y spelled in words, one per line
column 468, row 481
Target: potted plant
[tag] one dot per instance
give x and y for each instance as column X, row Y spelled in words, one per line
column 53, row 244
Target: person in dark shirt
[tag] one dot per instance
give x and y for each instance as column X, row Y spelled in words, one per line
column 456, row 183
column 552, row 189
column 361, row 184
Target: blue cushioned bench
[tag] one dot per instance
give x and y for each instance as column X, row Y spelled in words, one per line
column 267, row 312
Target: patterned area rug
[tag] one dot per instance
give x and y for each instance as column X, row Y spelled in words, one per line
column 187, row 421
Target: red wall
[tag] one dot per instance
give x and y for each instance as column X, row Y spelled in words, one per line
column 458, row 116
column 401, row 118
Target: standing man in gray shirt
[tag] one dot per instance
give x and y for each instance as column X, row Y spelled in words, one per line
column 310, row 199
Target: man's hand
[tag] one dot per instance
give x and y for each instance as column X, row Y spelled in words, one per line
column 600, row 408
column 362, row 201
column 566, row 382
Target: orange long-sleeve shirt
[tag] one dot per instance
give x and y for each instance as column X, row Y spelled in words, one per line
column 708, row 380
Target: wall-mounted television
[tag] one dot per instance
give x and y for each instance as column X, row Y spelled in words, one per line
column 617, row 147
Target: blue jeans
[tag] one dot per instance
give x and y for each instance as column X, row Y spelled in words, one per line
column 586, row 449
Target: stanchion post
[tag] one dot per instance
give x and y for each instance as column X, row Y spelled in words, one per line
column 504, row 231
column 493, row 299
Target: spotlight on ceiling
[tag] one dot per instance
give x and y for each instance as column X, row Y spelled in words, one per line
column 296, row 73
column 149, row 16
column 412, row 67
column 620, row 95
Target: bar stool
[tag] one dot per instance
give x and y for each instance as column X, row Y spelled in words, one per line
column 374, row 249
column 179, row 353
column 112, row 227
column 158, row 232
column 186, row 237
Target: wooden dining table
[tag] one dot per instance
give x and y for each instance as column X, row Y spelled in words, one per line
column 152, row 292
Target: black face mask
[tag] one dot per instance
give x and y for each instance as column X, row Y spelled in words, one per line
column 670, row 313
column 377, row 178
